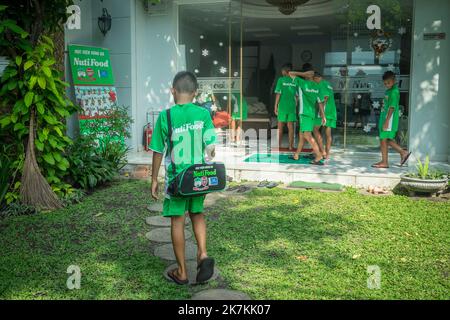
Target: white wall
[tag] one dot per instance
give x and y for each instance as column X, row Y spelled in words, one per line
column 430, row 84
column 156, row 61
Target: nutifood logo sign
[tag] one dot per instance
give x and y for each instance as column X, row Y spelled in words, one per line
column 90, row 66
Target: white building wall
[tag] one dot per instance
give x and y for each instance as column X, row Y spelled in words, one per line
column 156, row 60
column 430, row 83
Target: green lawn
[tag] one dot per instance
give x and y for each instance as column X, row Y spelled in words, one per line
column 273, row 244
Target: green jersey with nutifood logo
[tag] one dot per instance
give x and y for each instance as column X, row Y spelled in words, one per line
column 192, row 131
column 287, row 89
column 309, row 95
column 330, row 107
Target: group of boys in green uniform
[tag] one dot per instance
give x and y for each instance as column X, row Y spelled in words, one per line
column 317, row 109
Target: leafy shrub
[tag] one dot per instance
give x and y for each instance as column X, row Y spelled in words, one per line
column 87, row 168
column 424, row 172
column 32, row 86
column 17, row 209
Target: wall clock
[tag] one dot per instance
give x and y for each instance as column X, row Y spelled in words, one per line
column 306, row 56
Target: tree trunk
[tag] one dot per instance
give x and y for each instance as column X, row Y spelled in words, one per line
column 35, row 190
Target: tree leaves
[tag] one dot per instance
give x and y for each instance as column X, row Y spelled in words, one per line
column 29, row 98
column 48, row 157
column 19, row 60
column 28, row 65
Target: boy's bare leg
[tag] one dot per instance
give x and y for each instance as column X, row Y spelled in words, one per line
column 384, row 163
column 301, row 143
column 403, row 153
column 238, row 133
column 318, row 137
column 329, row 142
column 178, row 242
column 233, row 131
column 291, row 135
column 315, row 147
column 280, row 134
column 199, row 227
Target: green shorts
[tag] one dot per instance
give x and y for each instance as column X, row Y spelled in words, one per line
column 287, row 117
column 387, row 135
column 306, row 124
column 175, row 207
column 331, row 123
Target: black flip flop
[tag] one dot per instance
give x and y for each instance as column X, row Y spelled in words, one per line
column 205, row 270
column 272, row 185
column 406, row 159
column 171, row 275
column 317, row 163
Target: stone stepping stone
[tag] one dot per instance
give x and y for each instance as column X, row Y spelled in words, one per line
column 164, row 235
column 160, row 221
column 165, row 251
column 192, row 272
column 155, row 207
column 220, row 294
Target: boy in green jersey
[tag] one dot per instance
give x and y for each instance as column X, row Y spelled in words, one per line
column 239, row 113
column 388, row 124
column 286, row 104
column 193, row 133
column 330, row 115
column 309, row 96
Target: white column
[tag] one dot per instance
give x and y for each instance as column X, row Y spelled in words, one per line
column 430, row 82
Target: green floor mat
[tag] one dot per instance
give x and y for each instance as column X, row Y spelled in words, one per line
column 276, row 158
column 317, row 185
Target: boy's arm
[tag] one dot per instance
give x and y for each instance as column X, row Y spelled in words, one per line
column 156, row 164
column 294, row 74
column 388, row 118
column 322, row 113
column 393, row 101
column 157, row 146
column 210, row 139
column 277, row 101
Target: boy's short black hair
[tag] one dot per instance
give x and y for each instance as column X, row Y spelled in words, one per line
column 388, row 75
column 185, row 82
column 287, row 67
column 307, row 67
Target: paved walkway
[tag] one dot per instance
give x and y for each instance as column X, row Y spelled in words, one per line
column 160, row 236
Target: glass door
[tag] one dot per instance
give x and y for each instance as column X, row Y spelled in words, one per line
column 209, row 36
column 378, row 37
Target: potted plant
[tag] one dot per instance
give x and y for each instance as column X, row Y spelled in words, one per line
column 424, row 180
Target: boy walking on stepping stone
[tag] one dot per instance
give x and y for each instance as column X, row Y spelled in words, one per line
column 286, row 104
column 309, row 95
column 388, row 124
column 193, row 133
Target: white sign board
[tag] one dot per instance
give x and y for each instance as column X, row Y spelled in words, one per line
column 366, row 84
column 219, row 85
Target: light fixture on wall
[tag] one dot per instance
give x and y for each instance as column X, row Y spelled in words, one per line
column 104, row 22
column 287, row 7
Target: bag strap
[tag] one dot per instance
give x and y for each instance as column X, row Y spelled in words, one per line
column 170, row 143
